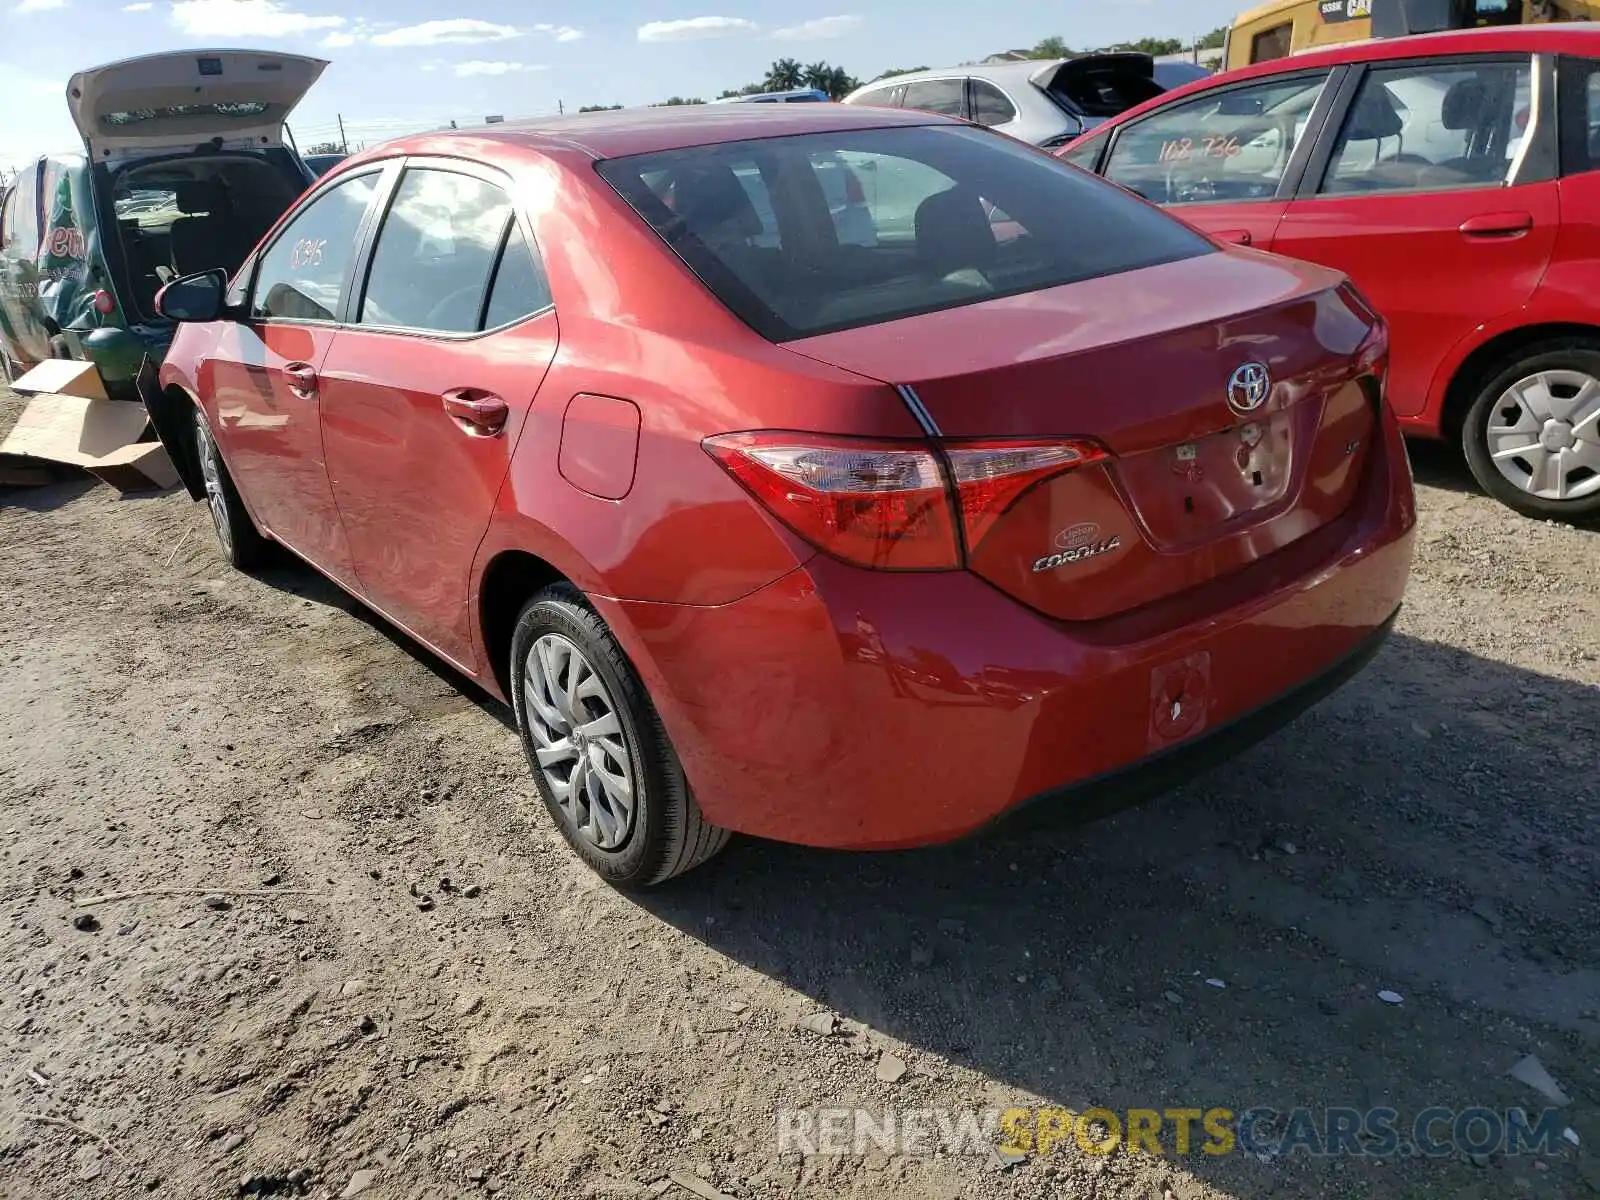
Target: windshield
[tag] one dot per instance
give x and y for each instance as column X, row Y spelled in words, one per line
column 810, row 234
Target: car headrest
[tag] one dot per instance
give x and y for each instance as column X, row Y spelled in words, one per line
column 711, row 200
column 1465, row 105
column 201, row 196
column 953, row 232
column 1374, row 116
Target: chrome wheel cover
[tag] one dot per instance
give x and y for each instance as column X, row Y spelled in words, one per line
column 1543, row 435
column 578, row 741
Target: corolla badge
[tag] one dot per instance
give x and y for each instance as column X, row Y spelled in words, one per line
column 1075, row 544
column 1248, row 387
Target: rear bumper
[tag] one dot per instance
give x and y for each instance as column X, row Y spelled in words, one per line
column 857, row 709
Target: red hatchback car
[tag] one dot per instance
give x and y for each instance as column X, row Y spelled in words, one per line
column 1455, row 177
column 855, row 541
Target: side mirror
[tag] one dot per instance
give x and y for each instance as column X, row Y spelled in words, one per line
column 194, row 297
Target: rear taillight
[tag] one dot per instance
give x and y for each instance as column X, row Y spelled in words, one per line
column 889, row 505
column 104, row 303
column 989, row 476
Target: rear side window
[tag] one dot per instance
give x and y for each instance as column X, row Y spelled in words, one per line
column 1579, row 108
column 435, row 252
column 937, row 217
column 520, row 288
column 937, row 96
column 302, row 274
column 883, row 97
column 22, row 207
column 1433, row 128
column 990, row 105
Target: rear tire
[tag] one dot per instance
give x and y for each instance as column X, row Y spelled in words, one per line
column 1532, row 435
column 242, row 543
column 600, row 757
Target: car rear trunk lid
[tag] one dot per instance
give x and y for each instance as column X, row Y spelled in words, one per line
column 164, row 102
column 1100, row 86
column 1142, row 363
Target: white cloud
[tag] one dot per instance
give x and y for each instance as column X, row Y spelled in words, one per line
column 338, row 40
column 458, row 31
column 144, row 6
column 494, row 68
column 694, row 28
column 819, row 30
column 246, row 18
column 561, row 33
column 33, row 6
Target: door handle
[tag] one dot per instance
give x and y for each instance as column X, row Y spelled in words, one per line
column 1236, row 237
column 1497, row 225
column 479, row 414
column 302, row 379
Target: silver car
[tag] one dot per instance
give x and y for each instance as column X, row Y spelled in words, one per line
column 1044, row 102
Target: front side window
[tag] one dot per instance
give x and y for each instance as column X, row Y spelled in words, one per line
column 990, row 106
column 946, row 215
column 435, row 252
column 302, row 274
column 1433, row 128
column 937, row 96
column 1231, row 145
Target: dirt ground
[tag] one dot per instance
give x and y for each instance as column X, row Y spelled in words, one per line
column 320, row 1029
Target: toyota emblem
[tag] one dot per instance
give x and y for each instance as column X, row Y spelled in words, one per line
column 1249, row 387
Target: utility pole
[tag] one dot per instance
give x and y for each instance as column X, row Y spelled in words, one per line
column 561, row 108
column 343, row 141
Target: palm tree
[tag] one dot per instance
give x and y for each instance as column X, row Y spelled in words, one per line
column 818, row 75
column 785, row 76
column 840, row 83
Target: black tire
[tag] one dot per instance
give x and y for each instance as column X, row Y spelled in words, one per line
column 241, row 542
column 1575, row 354
column 665, row 834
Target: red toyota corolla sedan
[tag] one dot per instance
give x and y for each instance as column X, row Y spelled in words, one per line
column 1456, row 178
column 834, row 475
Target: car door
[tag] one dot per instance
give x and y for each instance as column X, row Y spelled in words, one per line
column 1436, row 195
column 425, row 391
column 1226, row 161
column 265, row 387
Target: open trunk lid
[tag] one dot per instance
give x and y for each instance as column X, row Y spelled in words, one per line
column 174, row 102
column 1100, row 86
column 1207, row 467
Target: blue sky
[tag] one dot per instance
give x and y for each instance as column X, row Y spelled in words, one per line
column 417, row 64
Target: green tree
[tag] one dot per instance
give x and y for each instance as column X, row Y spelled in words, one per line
column 325, row 148
column 817, row 76
column 676, row 101
column 785, row 75
column 599, row 108
column 1214, row 39
column 893, row 71
column 1052, row 47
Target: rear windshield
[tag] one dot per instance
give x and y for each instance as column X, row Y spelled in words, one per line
column 820, row 232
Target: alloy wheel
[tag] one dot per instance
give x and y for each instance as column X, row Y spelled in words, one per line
column 579, row 741
column 1543, row 435
column 211, row 472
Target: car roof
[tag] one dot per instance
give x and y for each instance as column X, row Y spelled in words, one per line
column 615, row 133
column 1519, row 39
column 1011, row 72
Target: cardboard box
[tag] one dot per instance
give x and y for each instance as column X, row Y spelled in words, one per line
column 62, row 377
column 98, row 436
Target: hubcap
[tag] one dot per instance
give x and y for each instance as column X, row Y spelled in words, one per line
column 1544, row 435
column 211, row 473
column 578, row 741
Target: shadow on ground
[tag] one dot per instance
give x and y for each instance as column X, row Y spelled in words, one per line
column 1426, row 830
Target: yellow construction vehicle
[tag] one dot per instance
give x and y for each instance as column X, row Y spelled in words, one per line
column 1280, row 28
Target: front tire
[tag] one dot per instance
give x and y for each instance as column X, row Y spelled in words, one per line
column 599, row 754
column 242, row 543
column 1532, row 435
